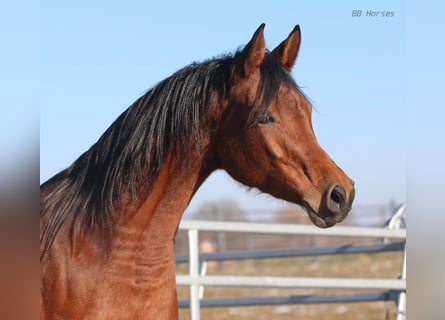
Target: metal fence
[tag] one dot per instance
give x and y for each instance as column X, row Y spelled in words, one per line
column 389, row 289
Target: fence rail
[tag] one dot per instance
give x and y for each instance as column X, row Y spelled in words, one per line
column 393, row 289
column 295, row 229
column 392, row 295
column 294, row 252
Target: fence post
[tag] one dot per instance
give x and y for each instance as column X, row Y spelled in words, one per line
column 194, row 272
column 203, row 271
column 401, row 301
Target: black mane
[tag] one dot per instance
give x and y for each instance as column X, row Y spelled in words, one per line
column 135, row 146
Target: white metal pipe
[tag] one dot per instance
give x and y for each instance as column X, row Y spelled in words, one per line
column 291, row 282
column 202, row 273
column 401, row 303
column 296, row 229
column 194, row 273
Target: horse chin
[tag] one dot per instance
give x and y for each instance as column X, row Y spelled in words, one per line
column 316, row 219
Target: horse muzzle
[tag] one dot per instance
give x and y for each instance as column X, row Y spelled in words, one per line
column 334, row 207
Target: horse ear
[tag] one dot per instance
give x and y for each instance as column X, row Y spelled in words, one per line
column 253, row 53
column 287, row 51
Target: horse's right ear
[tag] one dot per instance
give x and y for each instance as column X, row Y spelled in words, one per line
column 252, row 55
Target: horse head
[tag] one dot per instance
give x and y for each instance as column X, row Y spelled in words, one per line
column 267, row 140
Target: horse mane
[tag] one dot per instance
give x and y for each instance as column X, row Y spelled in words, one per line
column 133, row 149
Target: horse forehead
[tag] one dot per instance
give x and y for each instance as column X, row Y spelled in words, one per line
column 289, row 96
column 246, row 88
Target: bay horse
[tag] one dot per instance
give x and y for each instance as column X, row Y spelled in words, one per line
column 108, row 222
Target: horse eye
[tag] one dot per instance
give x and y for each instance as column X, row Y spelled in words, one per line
column 266, row 118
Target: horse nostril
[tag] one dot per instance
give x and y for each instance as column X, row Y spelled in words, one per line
column 337, row 199
column 338, row 195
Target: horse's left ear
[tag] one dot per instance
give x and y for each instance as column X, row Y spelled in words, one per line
column 253, row 53
column 287, row 51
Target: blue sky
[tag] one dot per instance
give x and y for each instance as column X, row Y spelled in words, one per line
column 98, row 57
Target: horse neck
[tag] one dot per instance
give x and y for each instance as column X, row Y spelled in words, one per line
column 153, row 225
column 140, row 267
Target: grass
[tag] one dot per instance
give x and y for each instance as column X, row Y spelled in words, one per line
column 374, row 265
